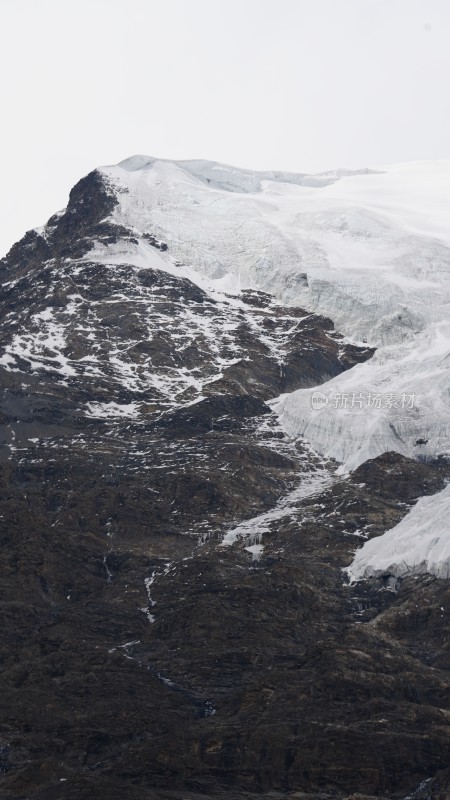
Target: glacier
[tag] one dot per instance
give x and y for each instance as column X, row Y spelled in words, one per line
column 371, row 250
column 419, row 543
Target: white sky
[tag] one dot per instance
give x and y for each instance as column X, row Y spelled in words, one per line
column 303, row 85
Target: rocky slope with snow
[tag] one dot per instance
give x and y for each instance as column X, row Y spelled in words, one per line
column 371, row 251
column 177, row 513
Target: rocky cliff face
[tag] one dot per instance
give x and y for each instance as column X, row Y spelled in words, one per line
column 176, row 619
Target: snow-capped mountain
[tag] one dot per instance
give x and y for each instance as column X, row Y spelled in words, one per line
column 215, row 386
column 370, row 250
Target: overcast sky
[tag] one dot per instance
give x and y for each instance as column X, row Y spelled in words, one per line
column 303, row 85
